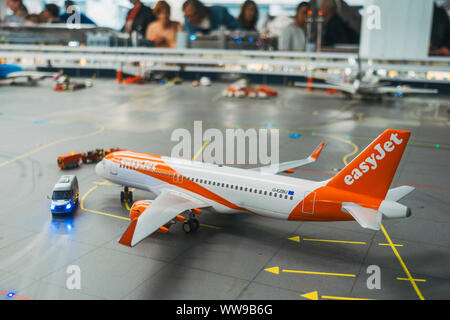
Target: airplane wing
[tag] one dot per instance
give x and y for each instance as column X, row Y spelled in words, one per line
column 6, row 81
column 33, row 75
column 367, row 218
column 163, row 209
column 341, row 87
column 398, row 193
column 280, row 167
column 405, row 90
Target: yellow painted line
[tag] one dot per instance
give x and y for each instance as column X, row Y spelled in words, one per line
column 126, row 202
column 320, row 273
column 47, row 145
column 355, row 147
column 210, row 226
column 342, row 298
column 409, row 277
column 199, row 152
column 315, row 296
column 387, row 244
column 337, row 241
column 348, row 105
column 418, row 280
column 95, row 211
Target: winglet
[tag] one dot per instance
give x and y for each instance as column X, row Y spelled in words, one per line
column 127, row 237
column 316, row 152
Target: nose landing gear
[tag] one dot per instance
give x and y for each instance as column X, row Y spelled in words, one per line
column 126, row 195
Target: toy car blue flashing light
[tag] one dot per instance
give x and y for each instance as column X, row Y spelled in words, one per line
column 192, row 37
column 10, row 294
column 68, row 206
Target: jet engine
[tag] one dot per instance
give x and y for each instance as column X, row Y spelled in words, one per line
column 138, row 207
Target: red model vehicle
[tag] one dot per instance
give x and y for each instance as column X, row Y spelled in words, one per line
column 70, row 161
column 111, row 150
column 268, row 91
column 93, row 156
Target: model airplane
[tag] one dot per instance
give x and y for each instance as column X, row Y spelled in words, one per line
column 13, row 74
column 364, row 85
column 358, row 192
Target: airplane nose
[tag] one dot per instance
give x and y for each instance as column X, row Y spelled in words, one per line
column 99, row 168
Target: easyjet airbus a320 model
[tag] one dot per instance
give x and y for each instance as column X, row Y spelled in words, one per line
column 358, row 192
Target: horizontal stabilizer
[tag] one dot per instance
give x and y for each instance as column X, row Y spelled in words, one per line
column 398, row 193
column 367, row 218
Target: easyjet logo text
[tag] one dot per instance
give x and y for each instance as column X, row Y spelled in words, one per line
column 372, row 162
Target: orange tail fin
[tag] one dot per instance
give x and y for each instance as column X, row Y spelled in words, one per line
column 372, row 171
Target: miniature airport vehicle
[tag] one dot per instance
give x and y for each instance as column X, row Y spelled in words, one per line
column 70, row 161
column 65, row 195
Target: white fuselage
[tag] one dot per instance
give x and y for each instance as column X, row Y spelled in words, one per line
column 226, row 189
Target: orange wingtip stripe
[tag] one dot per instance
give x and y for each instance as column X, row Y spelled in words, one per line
column 128, row 235
column 316, row 152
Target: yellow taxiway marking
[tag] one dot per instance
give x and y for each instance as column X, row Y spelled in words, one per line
column 315, row 296
column 337, row 241
column 320, row 273
column 297, row 239
column 418, row 280
column 95, row 211
column 276, row 270
column 408, row 274
column 342, row 298
column 126, row 202
column 387, row 244
column 348, row 105
column 210, row 226
column 199, row 152
column 50, row 144
column 347, row 141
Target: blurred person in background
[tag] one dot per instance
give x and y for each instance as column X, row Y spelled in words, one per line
column 50, row 14
column 19, row 12
column 163, row 31
column 335, row 30
column 293, row 36
column 249, row 15
column 32, row 19
column 138, row 18
column 440, row 32
column 71, row 11
column 198, row 18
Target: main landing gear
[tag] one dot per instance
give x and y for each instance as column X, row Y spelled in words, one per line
column 126, row 196
column 191, row 224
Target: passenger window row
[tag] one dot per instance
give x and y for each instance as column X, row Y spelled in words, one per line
column 209, row 182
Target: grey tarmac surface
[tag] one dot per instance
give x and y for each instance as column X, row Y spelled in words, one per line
column 231, row 256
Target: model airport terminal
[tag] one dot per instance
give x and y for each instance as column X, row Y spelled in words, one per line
column 224, row 150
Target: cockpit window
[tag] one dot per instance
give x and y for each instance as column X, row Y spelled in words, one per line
column 62, row 195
